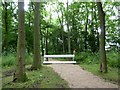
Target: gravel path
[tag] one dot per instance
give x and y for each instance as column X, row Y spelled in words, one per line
column 79, row 78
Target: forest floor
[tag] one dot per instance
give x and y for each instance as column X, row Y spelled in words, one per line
column 77, row 77
column 43, row 78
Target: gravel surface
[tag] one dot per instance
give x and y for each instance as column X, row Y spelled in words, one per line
column 79, row 78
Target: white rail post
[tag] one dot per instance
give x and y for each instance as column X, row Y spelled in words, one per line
column 44, row 54
column 73, row 54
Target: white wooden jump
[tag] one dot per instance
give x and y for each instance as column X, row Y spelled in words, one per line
column 59, row 56
column 59, row 62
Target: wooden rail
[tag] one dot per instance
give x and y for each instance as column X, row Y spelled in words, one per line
column 59, row 56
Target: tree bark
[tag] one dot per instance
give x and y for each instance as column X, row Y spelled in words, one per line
column 96, row 28
column 36, row 57
column 63, row 36
column 5, row 41
column 69, row 41
column 103, row 61
column 20, row 74
column 46, row 44
column 86, row 27
column 62, row 32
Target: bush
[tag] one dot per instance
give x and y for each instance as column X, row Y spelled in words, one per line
column 28, row 59
column 86, row 57
column 112, row 58
column 10, row 59
column 93, row 58
column 80, row 57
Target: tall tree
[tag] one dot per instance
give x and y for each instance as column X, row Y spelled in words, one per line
column 61, row 23
column 29, row 28
column 69, row 41
column 103, row 61
column 5, row 40
column 46, row 43
column 20, row 74
column 96, row 27
column 86, row 27
column 36, row 57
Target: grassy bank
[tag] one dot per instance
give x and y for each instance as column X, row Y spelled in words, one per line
column 90, row 62
column 111, row 76
column 93, row 58
column 43, row 78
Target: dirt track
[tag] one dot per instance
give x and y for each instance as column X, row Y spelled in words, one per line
column 79, row 78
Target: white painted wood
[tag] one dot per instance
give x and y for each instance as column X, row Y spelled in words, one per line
column 60, row 56
column 59, row 62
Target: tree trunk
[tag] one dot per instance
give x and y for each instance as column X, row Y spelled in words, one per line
column 86, row 27
column 42, row 44
column 36, row 57
column 62, row 31
column 41, row 35
column 5, row 41
column 103, row 61
column 69, row 41
column 46, row 44
column 93, row 46
column 63, row 34
column 96, row 28
column 20, row 74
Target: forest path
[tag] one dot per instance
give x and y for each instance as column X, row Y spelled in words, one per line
column 79, row 78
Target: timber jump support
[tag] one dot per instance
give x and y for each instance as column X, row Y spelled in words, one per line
column 59, row 56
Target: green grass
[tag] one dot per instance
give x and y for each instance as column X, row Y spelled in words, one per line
column 112, row 74
column 47, row 78
column 90, row 62
column 43, row 78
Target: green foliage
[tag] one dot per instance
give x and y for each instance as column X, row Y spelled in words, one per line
column 51, row 30
column 93, row 58
column 10, row 60
column 112, row 58
column 86, row 57
column 77, row 16
column 28, row 59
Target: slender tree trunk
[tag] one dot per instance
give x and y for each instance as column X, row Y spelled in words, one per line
column 42, row 44
column 96, row 27
column 5, row 42
column 36, row 57
column 41, row 35
column 29, row 21
column 93, row 46
column 103, row 61
column 74, row 29
column 69, row 41
column 46, row 44
column 63, row 47
column 62, row 34
column 86, row 27
column 20, row 75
